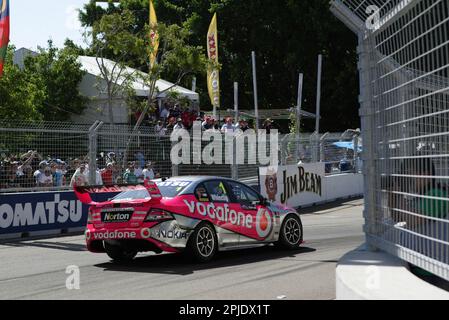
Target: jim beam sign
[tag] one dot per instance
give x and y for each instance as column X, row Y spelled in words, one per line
column 293, row 185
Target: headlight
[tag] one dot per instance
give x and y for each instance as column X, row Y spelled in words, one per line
column 158, row 215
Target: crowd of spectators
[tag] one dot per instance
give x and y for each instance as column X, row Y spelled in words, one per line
column 32, row 170
column 172, row 117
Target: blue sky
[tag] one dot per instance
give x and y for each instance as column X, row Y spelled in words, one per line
column 34, row 22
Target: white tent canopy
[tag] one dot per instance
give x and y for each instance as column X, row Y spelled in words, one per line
column 90, row 65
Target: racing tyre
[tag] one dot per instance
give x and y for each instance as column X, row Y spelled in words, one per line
column 203, row 243
column 291, row 233
column 118, row 253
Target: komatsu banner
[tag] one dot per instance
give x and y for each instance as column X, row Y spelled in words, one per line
column 305, row 184
column 28, row 212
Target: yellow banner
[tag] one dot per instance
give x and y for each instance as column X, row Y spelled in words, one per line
column 213, row 76
column 154, row 37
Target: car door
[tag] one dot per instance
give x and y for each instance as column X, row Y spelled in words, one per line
column 258, row 226
column 224, row 212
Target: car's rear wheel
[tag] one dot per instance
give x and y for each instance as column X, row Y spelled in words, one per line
column 291, row 233
column 118, row 253
column 203, row 243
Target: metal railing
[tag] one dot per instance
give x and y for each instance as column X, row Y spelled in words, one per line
column 50, row 156
column 404, row 72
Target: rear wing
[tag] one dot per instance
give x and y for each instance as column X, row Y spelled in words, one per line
column 152, row 189
column 83, row 193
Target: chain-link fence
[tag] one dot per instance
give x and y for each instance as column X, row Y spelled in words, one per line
column 54, row 156
column 404, row 71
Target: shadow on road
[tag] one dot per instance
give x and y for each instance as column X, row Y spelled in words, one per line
column 180, row 265
column 331, row 207
column 49, row 245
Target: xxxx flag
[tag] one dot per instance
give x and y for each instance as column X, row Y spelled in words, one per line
column 213, row 77
column 154, row 37
column 4, row 32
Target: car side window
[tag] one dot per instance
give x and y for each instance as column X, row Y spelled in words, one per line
column 201, row 193
column 217, row 191
column 242, row 193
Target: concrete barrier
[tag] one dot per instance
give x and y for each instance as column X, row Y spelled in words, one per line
column 366, row 275
column 306, row 185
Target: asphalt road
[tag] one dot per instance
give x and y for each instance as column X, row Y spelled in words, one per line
column 37, row 269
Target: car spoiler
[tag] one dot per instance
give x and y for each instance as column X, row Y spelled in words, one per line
column 83, row 193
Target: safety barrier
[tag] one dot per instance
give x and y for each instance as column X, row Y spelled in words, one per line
column 43, row 213
column 307, row 184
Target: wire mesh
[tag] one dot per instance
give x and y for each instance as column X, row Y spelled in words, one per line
column 54, row 156
column 405, row 104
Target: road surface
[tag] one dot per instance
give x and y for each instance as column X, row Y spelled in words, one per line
column 37, row 269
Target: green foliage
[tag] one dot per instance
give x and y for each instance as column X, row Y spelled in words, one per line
column 287, row 36
column 58, row 74
column 19, row 97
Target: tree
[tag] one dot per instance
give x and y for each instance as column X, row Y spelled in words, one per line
column 19, row 97
column 59, row 74
column 113, row 37
column 287, row 36
column 175, row 57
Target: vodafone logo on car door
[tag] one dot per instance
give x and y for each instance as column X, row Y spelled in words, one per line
column 264, row 223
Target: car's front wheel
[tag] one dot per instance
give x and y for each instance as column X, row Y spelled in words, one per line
column 203, row 243
column 291, row 232
column 118, row 253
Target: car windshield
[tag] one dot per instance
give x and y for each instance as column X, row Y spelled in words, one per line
column 171, row 189
column 168, row 189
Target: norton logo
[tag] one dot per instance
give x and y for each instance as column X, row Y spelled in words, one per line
column 264, row 224
column 116, row 217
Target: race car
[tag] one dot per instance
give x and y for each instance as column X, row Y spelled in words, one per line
column 198, row 216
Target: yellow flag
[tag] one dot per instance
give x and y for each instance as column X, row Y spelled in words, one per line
column 213, row 77
column 154, row 37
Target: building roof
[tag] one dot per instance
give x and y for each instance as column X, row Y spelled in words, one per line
column 90, row 65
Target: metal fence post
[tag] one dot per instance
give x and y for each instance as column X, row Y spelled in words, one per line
column 322, row 147
column 174, row 167
column 234, row 166
column 93, row 146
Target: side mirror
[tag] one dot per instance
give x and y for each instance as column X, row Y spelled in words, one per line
column 262, row 202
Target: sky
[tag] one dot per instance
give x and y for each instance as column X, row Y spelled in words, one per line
column 34, row 22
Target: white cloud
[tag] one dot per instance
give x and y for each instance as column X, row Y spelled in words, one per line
column 72, row 20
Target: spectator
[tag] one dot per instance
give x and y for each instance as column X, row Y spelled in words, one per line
column 26, row 178
column 159, row 129
column 129, row 176
column 58, row 177
column 140, row 159
column 39, row 172
column 178, row 125
column 148, row 172
column 98, row 179
column 207, row 123
column 164, row 112
column 268, row 125
column 45, row 179
column 417, row 202
column 11, row 175
column 107, row 174
column 228, row 127
column 75, row 164
column 243, row 125
column 79, row 177
column 171, row 124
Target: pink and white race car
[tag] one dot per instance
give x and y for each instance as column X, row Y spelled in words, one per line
column 196, row 215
